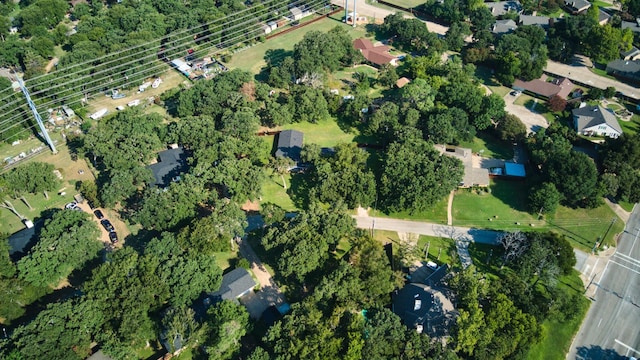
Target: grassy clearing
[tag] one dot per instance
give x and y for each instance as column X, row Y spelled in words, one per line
column 500, row 209
column 486, row 258
column 385, row 236
column 253, row 58
column 225, row 259
column 626, row 205
column 274, row 192
column 631, row 127
column 441, row 250
column 505, row 206
column 407, row 3
column 485, row 76
column 437, row 214
column 326, row 133
column 584, row 226
column 489, row 146
column 558, row 335
column 9, row 223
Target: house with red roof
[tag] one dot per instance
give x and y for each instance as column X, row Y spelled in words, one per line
column 545, row 89
column 376, row 55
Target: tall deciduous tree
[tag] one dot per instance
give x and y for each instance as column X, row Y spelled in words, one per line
column 68, row 240
column 416, row 176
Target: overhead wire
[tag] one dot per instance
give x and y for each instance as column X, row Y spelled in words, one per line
column 237, row 34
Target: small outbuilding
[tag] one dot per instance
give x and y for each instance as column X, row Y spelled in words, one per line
column 290, row 144
column 515, row 170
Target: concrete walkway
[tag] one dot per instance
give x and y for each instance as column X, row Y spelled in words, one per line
column 622, row 213
column 450, row 207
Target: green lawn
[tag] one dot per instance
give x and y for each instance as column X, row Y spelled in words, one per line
column 385, row 236
column 584, row 226
column 441, row 250
column 274, row 192
column 252, row 59
column 626, row 205
column 486, row 77
column 225, row 259
column 501, row 209
column 486, row 258
column 407, row 3
column 557, row 336
column 505, row 206
column 437, row 214
column 325, row 133
column 489, row 146
column 631, row 127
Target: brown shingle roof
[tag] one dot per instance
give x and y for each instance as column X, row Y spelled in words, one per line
column 402, row 82
column 378, row 55
column 543, row 88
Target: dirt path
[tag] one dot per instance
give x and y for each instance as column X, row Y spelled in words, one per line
column 51, row 64
column 450, row 207
column 121, row 228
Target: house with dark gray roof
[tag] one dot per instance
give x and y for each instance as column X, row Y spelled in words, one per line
column 424, row 309
column 631, row 54
column 171, row 164
column 577, row 6
column 501, row 27
column 596, row 120
column 499, row 8
column 21, row 242
column 235, row 284
column 526, row 20
column 634, row 26
column 625, row 69
column 290, row 144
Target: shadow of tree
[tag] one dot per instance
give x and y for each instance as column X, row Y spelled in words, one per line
column 595, row 352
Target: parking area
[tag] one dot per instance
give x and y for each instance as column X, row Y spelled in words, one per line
column 531, row 119
column 119, row 227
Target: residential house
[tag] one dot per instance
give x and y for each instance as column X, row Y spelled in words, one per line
column 473, row 176
column 424, row 309
column 527, row 20
column 499, row 8
column 235, row 284
column 596, row 120
column 376, row 55
column 634, row 26
column 625, row 70
column 171, row 164
column 631, row 54
column 577, row 6
column 603, row 17
column 544, row 89
column 21, row 242
column 501, row 27
column 290, row 144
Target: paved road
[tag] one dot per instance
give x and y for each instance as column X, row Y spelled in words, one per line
column 430, row 229
column 611, row 329
column 579, row 72
column 378, row 14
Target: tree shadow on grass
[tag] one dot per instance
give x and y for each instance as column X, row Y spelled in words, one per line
column 299, row 190
column 511, row 192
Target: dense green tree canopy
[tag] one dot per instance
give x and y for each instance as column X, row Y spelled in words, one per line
column 67, row 241
column 32, row 177
column 416, row 175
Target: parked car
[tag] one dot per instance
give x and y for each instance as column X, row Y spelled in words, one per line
column 113, row 237
column 107, row 225
column 98, row 214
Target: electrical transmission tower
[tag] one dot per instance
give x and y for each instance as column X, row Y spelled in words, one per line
column 32, row 106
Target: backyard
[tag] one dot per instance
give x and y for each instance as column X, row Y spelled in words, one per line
column 253, row 58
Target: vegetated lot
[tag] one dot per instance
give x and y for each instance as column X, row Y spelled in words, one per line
column 274, row 192
column 486, row 77
column 252, row 59
column 326, row 133
column 437, row 214
column 489, row 146
column 441, row 250
column 9, row 223
column 631, row 127
column 407, row 3
column 558, row 335
column 505, row 206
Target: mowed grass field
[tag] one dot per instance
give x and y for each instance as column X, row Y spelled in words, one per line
column 253, row 58
column 505, row 208
column 407, row 3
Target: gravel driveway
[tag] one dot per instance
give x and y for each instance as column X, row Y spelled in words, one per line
column 532, row 120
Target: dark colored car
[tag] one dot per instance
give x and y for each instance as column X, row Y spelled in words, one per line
column 107, row 225
column 98, row 214
column 113, row 237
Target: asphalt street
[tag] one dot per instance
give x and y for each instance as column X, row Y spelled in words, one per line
column 611, row 329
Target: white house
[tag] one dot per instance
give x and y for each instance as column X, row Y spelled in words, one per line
column 596, row 120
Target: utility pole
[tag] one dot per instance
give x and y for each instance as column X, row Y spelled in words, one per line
column 613, row 221
column 346, row 11
column 43, row 130
column 540, row 213
column 353, row 18
column 426, row 250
